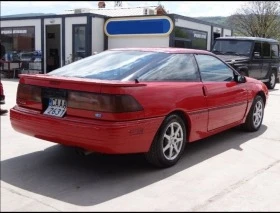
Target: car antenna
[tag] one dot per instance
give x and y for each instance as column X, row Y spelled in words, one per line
column 136, row 81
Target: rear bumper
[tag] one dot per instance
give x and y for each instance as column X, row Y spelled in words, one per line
column 99, row 136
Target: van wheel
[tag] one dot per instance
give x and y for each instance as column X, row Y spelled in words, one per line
column 169, row 143
column 272, row 81
column 255, row 116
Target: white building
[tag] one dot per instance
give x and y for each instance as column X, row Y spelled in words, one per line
column 79, row 33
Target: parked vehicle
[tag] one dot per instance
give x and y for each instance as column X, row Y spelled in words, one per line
column 138, row 100
column 251, row 56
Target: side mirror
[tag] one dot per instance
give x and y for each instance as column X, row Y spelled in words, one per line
column 257, row 55
column 241, row 79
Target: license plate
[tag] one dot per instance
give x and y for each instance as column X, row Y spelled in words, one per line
column 57, row 107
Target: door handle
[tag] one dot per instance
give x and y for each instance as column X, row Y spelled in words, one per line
column 204, row 90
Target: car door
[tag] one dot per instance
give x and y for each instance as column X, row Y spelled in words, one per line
column 266, row 53
column 255, row 66
column 226, row 99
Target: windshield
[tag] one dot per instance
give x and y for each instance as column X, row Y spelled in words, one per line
column 232, row 47
column 116, row 65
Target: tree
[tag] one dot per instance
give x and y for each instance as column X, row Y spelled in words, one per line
column 257, row 19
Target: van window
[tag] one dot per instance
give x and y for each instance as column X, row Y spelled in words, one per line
column 258, row 49
column 266, row 50
column 275, row 51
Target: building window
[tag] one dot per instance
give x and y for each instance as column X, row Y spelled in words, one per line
column 79, row 42
column 188, row 38
column 19, row 39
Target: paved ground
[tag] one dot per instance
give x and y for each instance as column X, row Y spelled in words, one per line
column 232, row 171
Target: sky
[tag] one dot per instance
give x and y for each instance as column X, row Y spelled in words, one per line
column 185, row 8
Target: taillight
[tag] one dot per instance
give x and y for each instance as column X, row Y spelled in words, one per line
column 27, row 92
column 103, row 102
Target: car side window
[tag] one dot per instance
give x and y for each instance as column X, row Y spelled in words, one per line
column 177, row 67
column 213, row 69
column 257, row 53
column 266, row 50
column 275, row 51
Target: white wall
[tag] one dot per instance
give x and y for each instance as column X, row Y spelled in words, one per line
column 97, row 34
column 227, row 32
column 26, row 23
column 138, row 41
column 69, row 21
column 195, row 26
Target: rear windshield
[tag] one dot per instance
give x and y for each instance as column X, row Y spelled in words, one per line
column 129, row 65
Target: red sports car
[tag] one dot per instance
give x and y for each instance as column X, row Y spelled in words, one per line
column 138, row 100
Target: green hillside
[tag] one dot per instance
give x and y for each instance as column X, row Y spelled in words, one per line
column 216, row 20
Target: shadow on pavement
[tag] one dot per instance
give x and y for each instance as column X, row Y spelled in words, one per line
column 59, row 173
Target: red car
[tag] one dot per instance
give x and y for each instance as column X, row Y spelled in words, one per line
column 138, row 100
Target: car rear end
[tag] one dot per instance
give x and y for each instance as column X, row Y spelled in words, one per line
column 95, row 115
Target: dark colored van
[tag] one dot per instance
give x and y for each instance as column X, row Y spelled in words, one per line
column 251, row 56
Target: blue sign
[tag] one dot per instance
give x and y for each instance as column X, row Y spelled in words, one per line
column 141, row 26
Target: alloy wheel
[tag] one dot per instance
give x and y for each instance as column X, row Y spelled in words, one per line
column 258, row 114
column 172, row 141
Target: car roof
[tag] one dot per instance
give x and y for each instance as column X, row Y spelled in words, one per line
column 247, row 38
column 166, row 50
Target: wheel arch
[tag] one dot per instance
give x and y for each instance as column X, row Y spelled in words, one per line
column 274, row 69
column 186, row 120
column 262, row 95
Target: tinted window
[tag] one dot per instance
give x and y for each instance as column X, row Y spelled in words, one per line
column 182, row 33
column 190, row 38
column 266, row 50
column 199, row 40
column 232, row 47
column 183, row 44
column 177, row 67
column 212, row 69
column 274, row 51
column 129, row 65
column 258, row 49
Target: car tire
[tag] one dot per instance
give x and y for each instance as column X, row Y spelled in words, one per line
column 272, row 81
column 169, row 143
column 255, row 116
